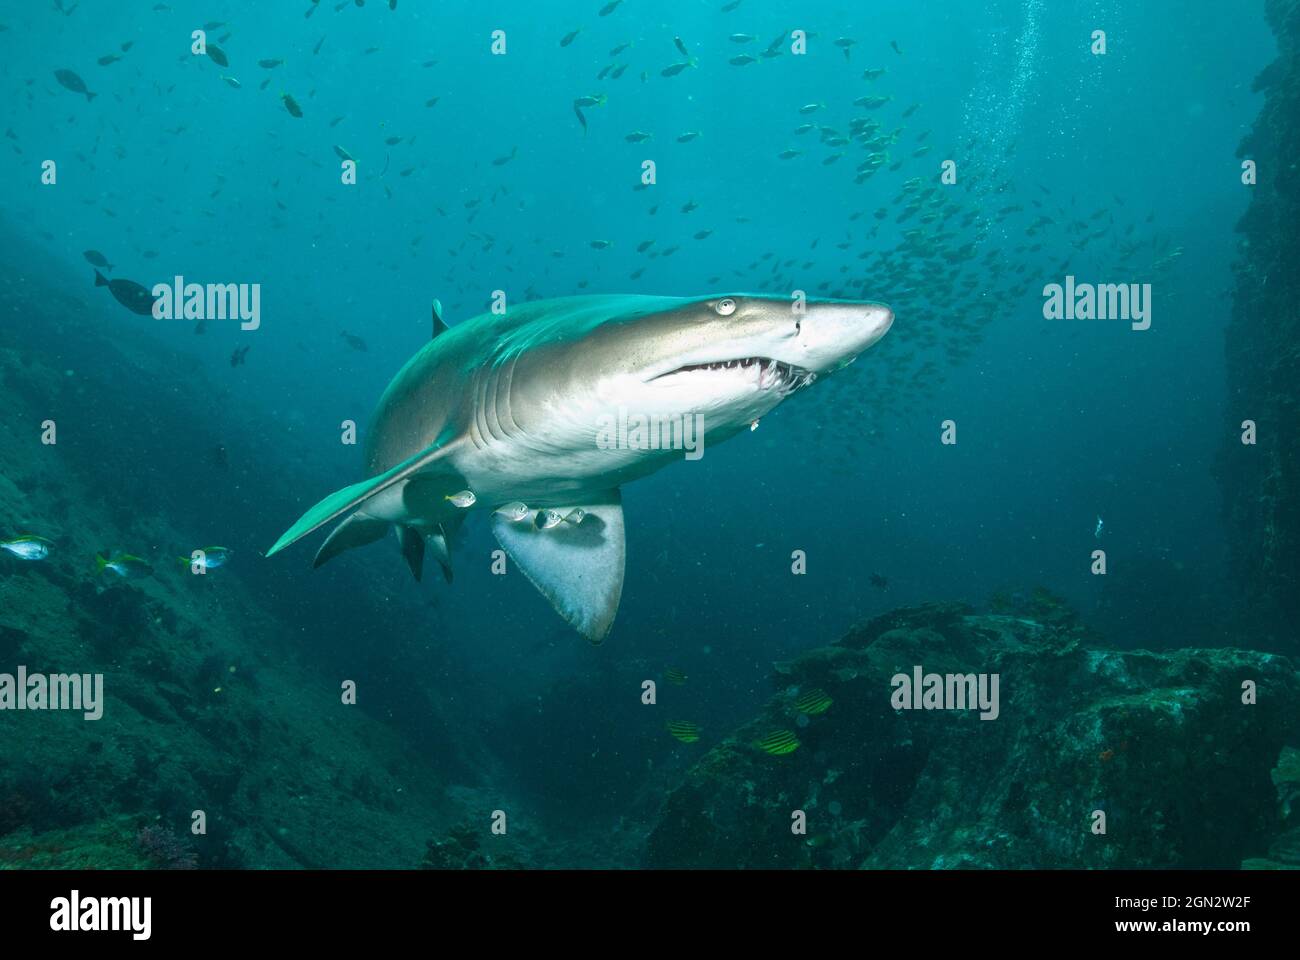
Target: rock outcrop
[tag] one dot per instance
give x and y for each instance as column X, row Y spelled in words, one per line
column 1166, row 745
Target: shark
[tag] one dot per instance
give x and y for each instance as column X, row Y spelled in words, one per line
column 508, row 414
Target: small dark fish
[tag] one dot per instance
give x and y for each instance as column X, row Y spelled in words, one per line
column 217, row 55
column 319, row 44
column 128, row 293
column 356, row 343
column 70, row 81
column 107, row 59
column 681, row 46
column 581, row 119
column 127, row 46
column 432, row 101
column 675, row 69
column 609, row 8
column 569, row 37
column 688, row 136
column 502, row 161
column 237, row 358
column 291, row 105
column 97, row 259
column 879, row 582
column 393, row 141
column 269, row 64
column 894, row 44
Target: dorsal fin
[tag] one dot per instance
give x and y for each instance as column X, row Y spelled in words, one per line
column 439, row 324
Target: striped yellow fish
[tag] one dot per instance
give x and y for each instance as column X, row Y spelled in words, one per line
column 684, row 730
column 813, row 702
column 778, row 743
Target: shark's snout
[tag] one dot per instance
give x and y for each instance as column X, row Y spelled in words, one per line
column 833, row 334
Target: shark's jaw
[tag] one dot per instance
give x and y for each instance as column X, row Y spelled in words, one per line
column 759, row 373
column 734, row 358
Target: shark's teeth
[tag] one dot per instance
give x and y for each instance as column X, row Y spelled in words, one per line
column 770, row 373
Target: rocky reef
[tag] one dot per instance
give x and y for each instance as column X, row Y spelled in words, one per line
column 215, row 699
column 1261, row 482
column 1165, row 745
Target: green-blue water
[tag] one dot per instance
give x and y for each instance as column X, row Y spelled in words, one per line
column 475, row 174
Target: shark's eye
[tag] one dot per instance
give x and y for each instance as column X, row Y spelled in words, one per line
column 725, row 307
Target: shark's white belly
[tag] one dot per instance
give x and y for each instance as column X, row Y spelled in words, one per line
column 542, row 475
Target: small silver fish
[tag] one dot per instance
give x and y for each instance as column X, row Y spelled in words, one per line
column 575, row 516
column 463, row 499
column 27, row 547
column 515, row 511
column 1097, row 533
column 546, row 519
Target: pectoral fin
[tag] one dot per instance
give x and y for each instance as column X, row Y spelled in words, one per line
column 349, row 498
column 576, row 566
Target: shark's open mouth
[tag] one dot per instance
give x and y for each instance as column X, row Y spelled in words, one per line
column 769, row 374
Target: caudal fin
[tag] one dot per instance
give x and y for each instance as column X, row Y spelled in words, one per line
column 100, row 279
